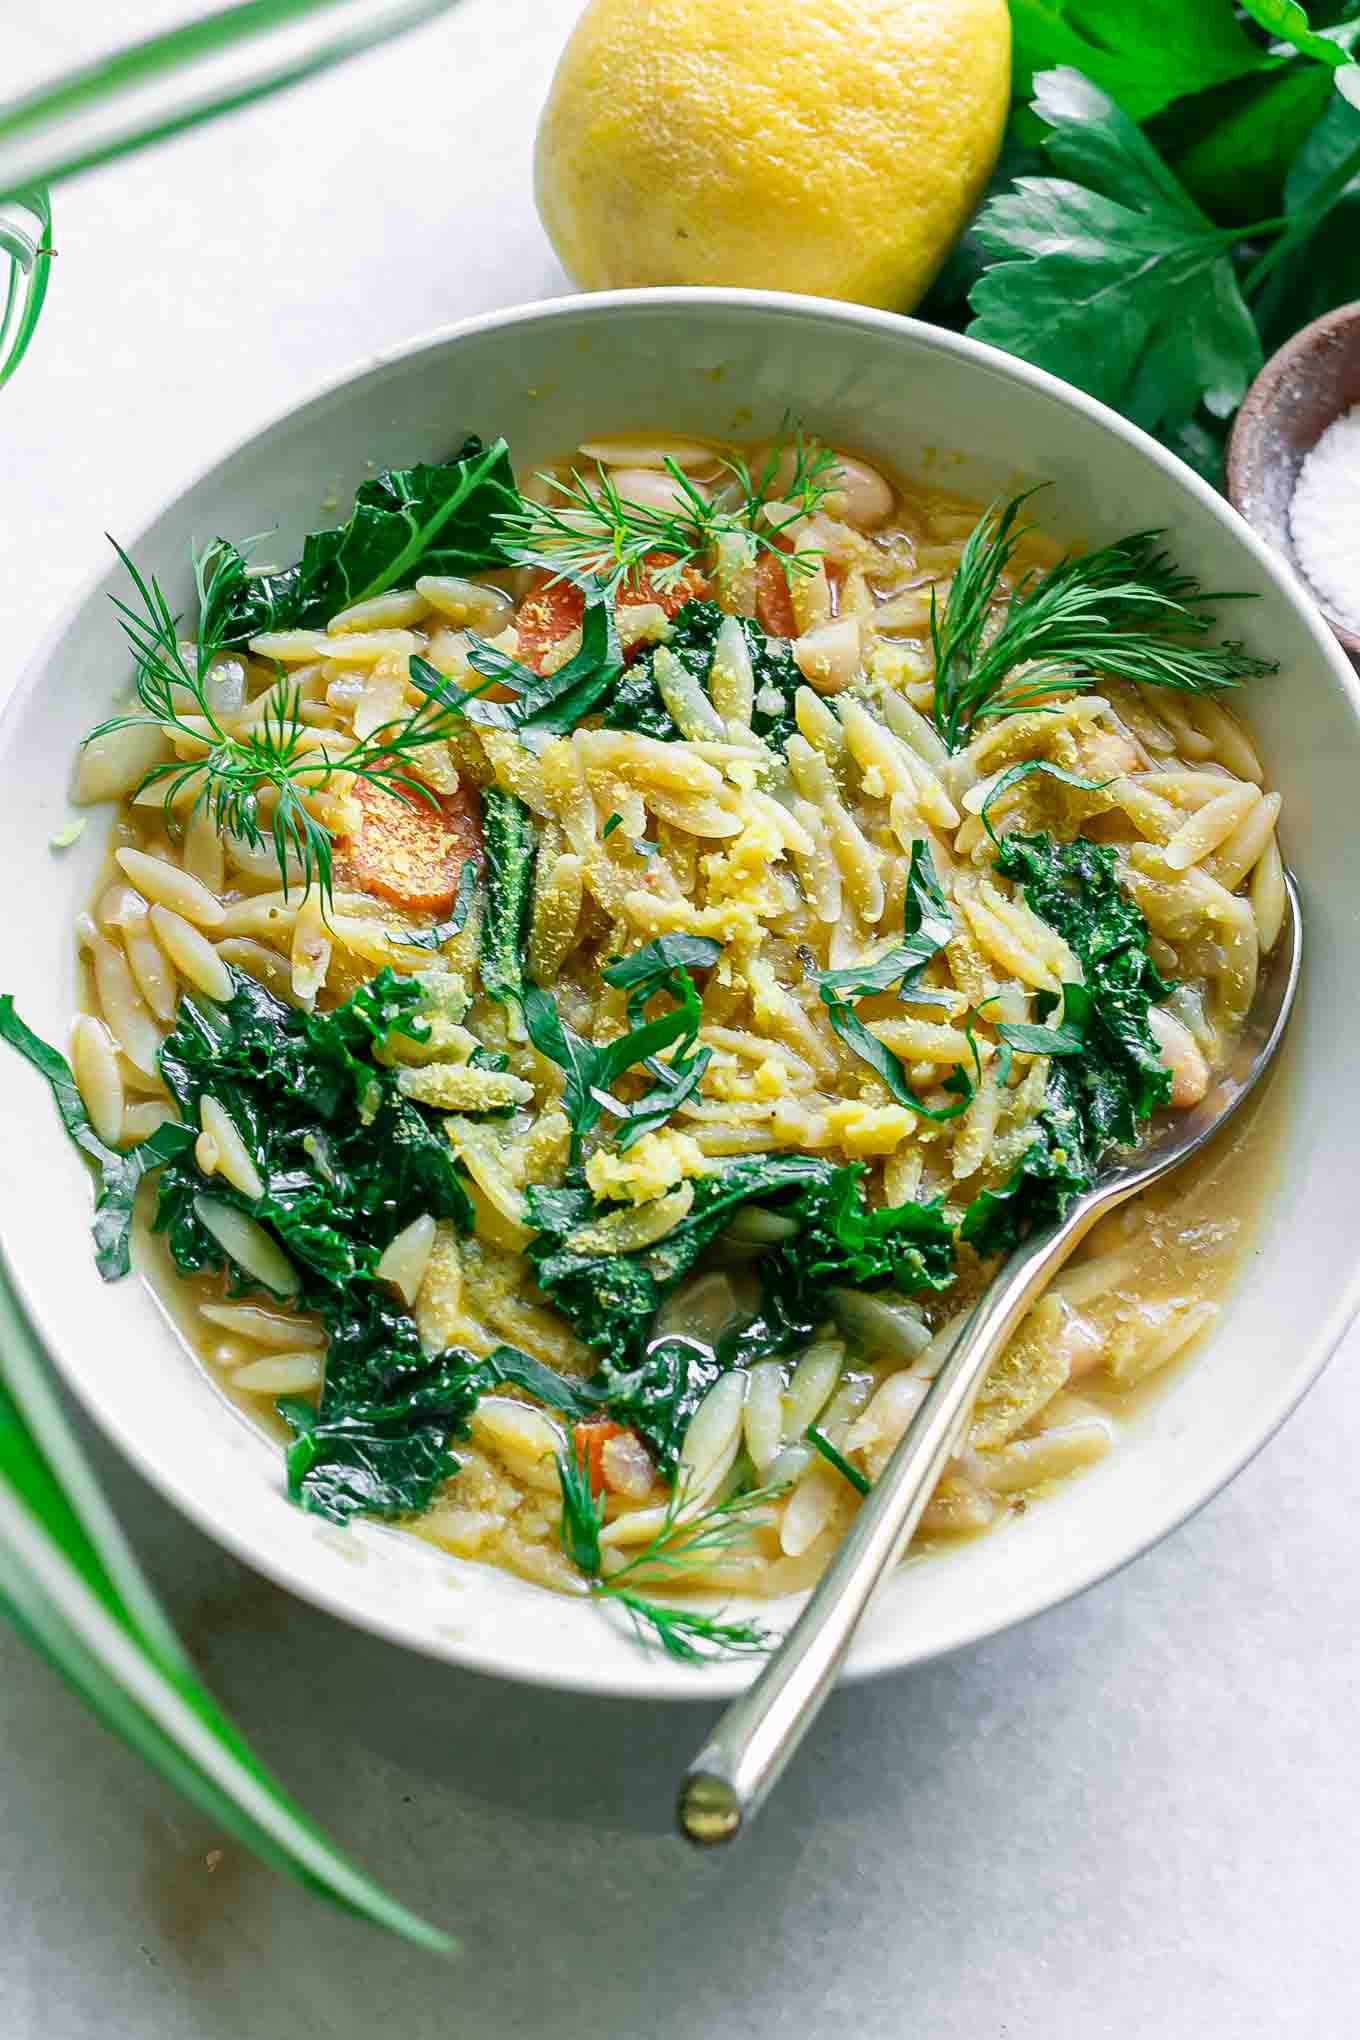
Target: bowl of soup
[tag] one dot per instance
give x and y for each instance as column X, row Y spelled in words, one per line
column 575, row 962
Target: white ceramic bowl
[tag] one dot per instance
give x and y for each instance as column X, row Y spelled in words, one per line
column 721, row 363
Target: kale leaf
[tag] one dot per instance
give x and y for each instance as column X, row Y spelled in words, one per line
column 433, row 518
column 637, row 704
column 1097, row 1094
column 120, row 1172
column 346, row 1162
column 611, row 1299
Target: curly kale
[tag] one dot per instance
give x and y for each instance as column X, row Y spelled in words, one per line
column 611, row 1300
column 1096, row 1099
column 346, row 1162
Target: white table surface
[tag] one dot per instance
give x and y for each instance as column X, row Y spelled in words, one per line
column 1136, row 1817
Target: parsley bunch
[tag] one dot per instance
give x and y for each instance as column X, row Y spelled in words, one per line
column 1173, row 200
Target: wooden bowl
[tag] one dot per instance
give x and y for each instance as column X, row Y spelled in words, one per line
column 1310, row 382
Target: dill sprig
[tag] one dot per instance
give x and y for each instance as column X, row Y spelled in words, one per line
column 590, row 531
column 1125, row 612
column 253, row 782
column 689, row 1634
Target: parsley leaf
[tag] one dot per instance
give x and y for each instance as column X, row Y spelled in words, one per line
column 546, row 704
column 1144, row 57
column 1318, row 266
column 1110, row 275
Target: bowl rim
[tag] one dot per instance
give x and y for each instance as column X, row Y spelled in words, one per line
column 658, row 1679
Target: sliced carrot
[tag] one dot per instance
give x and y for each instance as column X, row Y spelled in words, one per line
column 552, row 610
column 412, row 851
column 547, row 615
column 589, row 1438
column 774, row 604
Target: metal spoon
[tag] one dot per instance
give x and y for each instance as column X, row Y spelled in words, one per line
column 731, row 1776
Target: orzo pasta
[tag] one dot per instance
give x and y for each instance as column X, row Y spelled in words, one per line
column 599, row 968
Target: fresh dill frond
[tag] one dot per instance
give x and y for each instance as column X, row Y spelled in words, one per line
column 689, row 1634
column 588, row 530
column 253, row 780
column 1123, row 612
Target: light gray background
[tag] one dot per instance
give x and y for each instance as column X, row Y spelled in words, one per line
column 1137, row 1817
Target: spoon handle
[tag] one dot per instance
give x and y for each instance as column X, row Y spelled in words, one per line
column 760, row 1731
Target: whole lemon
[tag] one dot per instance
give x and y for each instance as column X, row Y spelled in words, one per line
column 836, row 147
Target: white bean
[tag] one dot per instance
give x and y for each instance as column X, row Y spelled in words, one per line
column 487, row 610
column 647, row 453
column 1182, row 1055
column 828, row 656
column 112, row 765
column 653, row 489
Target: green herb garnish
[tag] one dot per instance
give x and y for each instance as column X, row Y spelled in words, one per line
column 661, row 967
column 254, row 783
column 546, row 704
column 927, row 926
column 589, row 529
column 688, row 1634
column 1122, row 612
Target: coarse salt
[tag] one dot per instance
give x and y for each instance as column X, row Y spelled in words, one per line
column 1324, row 518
